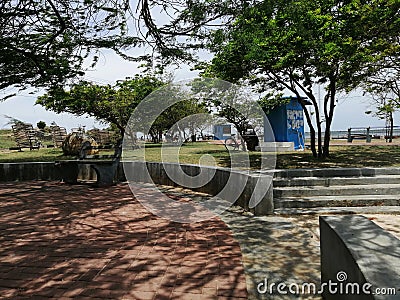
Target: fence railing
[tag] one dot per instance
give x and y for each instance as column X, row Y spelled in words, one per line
column 364, row 133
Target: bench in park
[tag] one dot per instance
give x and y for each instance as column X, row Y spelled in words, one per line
column 105, row 166
column 58, row 135
column 25, row 136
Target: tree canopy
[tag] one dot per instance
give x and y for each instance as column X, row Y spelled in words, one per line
column 298, row 46
column 45, row 42
column 110, row 104
column 277, row 45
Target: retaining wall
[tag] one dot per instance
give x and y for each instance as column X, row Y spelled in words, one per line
column 38, row 171
column 357, row 252
column 28, row 171
column 253, row 192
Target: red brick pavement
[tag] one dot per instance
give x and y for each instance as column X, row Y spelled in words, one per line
column 75, row 241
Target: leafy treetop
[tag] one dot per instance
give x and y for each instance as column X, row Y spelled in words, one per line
column 111, row 104
column 45, row 42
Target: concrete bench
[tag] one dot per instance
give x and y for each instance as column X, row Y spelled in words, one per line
column 359, row 258
column 105, row 166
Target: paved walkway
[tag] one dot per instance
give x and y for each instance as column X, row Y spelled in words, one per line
column 281, row 249
column 274, row 248
column 61, row 241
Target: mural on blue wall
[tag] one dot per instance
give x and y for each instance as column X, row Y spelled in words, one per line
column 287, row 122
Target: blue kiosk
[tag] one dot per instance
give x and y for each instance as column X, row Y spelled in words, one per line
column 222, row 132
column 287, row 122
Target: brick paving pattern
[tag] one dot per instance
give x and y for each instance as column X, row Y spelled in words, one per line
column 75, row 241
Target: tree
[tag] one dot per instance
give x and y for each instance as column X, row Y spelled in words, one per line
column 46, row 42
column 234, row 104
column 384, row 87
column 178, row 119
column 187, row 25
column 41, row 125
column 203, row 122
column 294, row 46
column 297, row 46
column 110, row 104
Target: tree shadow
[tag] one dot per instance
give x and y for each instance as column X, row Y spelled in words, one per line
column 61, row 240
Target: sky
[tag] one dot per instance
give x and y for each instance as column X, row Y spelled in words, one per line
column 350, row 111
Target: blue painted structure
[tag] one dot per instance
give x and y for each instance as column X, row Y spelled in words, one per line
column 222, row 132
column 287, row 123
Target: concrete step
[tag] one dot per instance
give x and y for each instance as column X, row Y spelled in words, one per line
column 335, row 172
column 337, row 190
column 337, row 201
column 339, row 210
column 332, row 181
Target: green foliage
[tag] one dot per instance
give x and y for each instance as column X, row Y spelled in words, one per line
column 232, row 103
column 298, row 45
column 46, row 42
column 272, row 101
column 41, row 125
column 13, row 121
column 110, row 104
column 173, row 120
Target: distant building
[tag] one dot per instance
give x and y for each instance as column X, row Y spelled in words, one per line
column 222, row 132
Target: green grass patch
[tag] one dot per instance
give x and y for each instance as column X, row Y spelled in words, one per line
column 6, row 139
column 43, row 154
column 341, row 156
column 205, row 154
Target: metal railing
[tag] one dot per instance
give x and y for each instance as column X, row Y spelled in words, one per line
column 364, row 133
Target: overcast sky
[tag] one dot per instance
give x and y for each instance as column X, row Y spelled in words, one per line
column 350, row 111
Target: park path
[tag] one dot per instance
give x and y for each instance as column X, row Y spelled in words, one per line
column 63, row 242
column 75, row 241
column 275, row 249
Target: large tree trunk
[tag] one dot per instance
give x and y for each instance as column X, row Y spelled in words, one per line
column 319, row 131
column 329, row 107
column 391, row 127
column 327, row 139
column 312, row 129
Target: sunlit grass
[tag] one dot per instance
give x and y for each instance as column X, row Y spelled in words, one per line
column 6, row 139
column 189, row 153
column 341, row 156
column 43, row 154
column 205, row 153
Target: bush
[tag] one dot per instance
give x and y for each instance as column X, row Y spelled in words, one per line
column 41, row 125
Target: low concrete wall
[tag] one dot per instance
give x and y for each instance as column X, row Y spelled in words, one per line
column 28, row 171
column 357, row 253
column 38, row 171
column 253, row 192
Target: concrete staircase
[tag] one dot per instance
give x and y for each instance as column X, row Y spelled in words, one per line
column 366, row 190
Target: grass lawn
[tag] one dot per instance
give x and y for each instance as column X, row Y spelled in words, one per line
column 43, row 154
column 344, row 156
column 6, row 139
column 193, row 153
